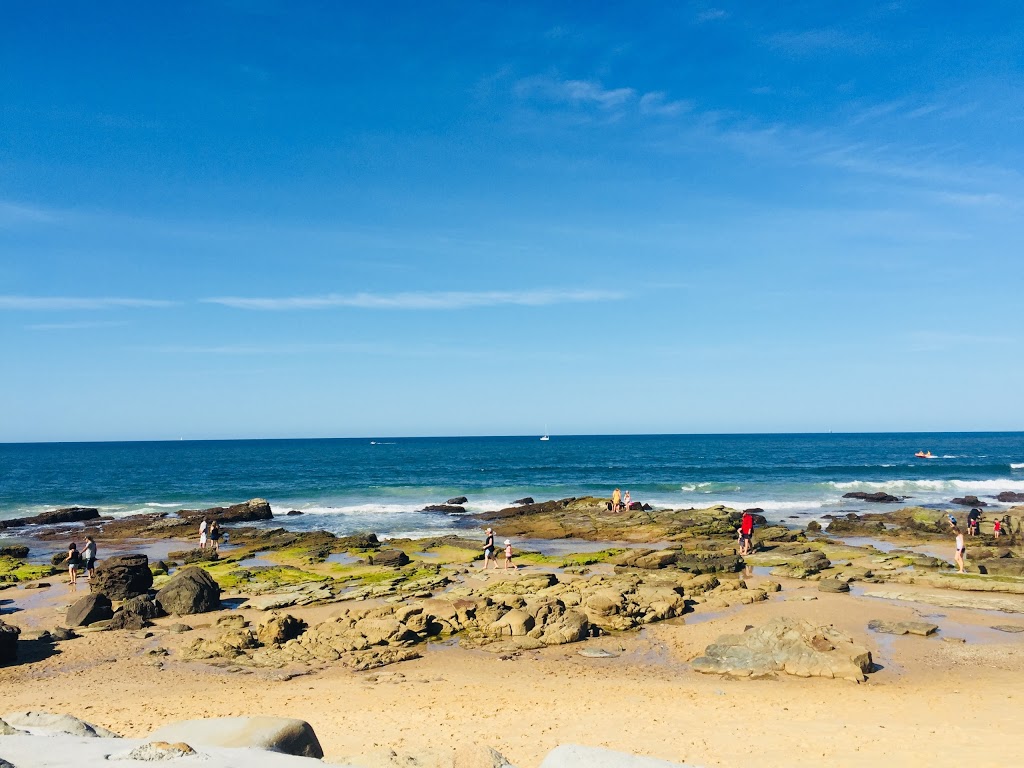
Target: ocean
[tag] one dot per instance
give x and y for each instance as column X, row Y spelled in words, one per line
column 382, row 484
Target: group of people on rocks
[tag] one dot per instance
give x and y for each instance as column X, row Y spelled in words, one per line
column 84, row 560
column 489, row 556
column 620, row 501
column 210, row 535
column 974, row 518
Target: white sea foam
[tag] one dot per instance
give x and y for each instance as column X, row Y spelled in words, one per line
column 933, row 486
column 1017, row 466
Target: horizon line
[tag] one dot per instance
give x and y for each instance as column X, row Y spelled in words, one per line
column 529, row 435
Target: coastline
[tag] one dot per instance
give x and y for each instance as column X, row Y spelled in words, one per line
column 525, row 700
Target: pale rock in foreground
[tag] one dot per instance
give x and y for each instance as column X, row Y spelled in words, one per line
column 60, row 750
column 51, row 723
column 785, row 645
column 576, row 756
column 278, row 734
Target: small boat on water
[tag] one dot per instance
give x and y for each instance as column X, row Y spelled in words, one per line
column 924, row 455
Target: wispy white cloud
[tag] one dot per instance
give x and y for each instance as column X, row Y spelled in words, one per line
column 13, row 214
column 657, row 103
column 418, row 300
column 73, row 326
column 60, row 303
column 712, row 14
column 577, row 92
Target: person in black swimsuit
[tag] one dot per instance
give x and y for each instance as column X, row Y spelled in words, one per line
column 489, row 549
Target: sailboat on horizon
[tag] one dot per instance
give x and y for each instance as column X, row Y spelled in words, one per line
column 546, row 436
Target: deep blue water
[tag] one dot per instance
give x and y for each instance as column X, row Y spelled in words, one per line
column 357, row 484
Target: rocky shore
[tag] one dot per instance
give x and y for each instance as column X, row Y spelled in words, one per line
column 279, row 605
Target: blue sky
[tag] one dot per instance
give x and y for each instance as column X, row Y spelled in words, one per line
column 264, row 219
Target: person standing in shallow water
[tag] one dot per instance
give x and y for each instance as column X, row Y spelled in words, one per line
column 89, row 566
column 960, row 551
column 489, row 550
column 73, row 559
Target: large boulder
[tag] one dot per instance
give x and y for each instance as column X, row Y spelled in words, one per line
column 89, row 610
column 968, row 501
column 64, row 515
column 878, row 497
column 47, row 721
column 276, row 734
column 190, row 590
column 795, row 647
column 391, row 558
column 280, row 629
column 1010, row 497
column 123, row 576
column 254, row 509
column 8, row 643
column 17, row 551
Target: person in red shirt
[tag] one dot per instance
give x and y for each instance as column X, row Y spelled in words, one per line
column 746, row 533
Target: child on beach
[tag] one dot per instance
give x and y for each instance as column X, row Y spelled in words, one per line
column 508, row 556
column 73, row 559
column 958, row 558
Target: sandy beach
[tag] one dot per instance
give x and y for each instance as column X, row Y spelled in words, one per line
column 956, row 687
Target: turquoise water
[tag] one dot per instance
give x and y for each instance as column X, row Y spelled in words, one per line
column 382, row 485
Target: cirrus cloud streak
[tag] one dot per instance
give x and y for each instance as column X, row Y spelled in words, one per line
column 419, row 300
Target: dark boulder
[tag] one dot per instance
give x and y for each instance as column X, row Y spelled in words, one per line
column 856, row 527
column 8, row 643
column 636, row 506
column 15, row 550
column 127, row 620
column 143, row 605
column 814, row 526
column 254, row 509
column 53, row 517
column 877, row 497
column 457, row 500
column 391, row 558
column 189, row 556
column 123, row 576
column 446, row 508
column 89, row 609
column 61, row 634
column 190, row 590
column 1010, row 497
column 969, row 501
column 524, row 500
column 358, row 541
column 647, row 508
column 294, row 512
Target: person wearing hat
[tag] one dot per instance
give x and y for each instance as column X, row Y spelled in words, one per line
column 489, row 549
column 508, row 556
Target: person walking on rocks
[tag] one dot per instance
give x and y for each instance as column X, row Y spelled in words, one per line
column 746, row 533
column 202, row 533
column 215, row 536
column 489, row 550
column 960, row 551
column 74, row 560
column 508, row 556
column 89, row 566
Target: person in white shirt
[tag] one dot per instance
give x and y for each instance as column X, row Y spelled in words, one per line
column 202, row 534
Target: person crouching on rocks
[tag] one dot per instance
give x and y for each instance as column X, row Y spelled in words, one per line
column 960, row 551
column 508, row 556
column 73, row 559
column 489, row 550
